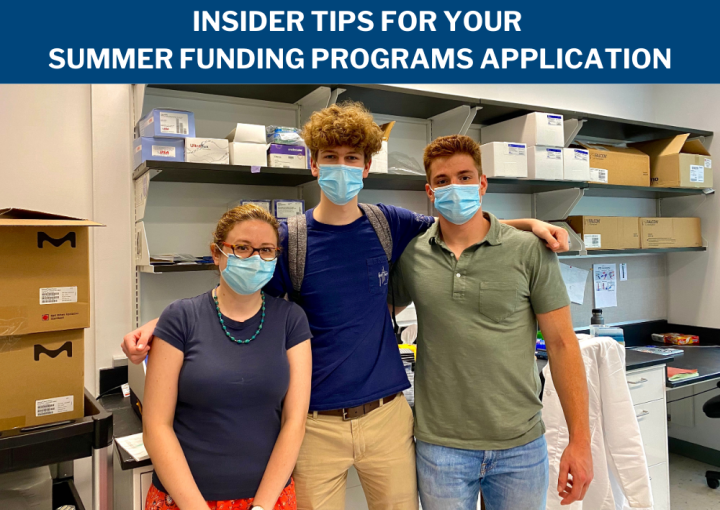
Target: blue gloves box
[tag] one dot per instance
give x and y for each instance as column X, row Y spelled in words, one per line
column 167, row 149
column 167, row 123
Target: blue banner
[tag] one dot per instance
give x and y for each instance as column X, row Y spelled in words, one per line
column 458, row 41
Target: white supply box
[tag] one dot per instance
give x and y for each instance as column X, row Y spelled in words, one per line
column 287, row 156
column 534, row 129
column 248, row 133
column 207, row 150
column 545, row 163
column 284, row 209
column 248, row 154
column 503, row 159
column 576, row 164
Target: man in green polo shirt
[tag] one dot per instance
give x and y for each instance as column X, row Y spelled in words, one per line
column 480, row 289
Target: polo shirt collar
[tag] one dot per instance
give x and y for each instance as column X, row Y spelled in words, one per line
column 493, row 237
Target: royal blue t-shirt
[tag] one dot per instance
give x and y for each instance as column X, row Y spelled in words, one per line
column 230, row 395
column 344, row 294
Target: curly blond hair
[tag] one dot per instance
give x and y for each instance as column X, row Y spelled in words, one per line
column 345, row 124
column 446, row 146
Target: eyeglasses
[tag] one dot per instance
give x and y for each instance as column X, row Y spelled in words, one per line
column 245, row 251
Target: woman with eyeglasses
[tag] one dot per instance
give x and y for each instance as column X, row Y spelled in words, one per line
column 228, row 382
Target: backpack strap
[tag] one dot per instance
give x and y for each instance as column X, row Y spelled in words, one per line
column 380, row 225
column 297, row 251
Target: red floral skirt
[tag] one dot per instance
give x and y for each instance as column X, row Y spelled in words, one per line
column 158, row 500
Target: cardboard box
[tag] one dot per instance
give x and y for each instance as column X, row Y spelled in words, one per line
column 503, row 159
column 248, row 154
column 379, row 164
column 624, row 166
column 545, row 163
column 43, row 377
column 670, row 232
column 532, row 129
column 607, row 232
column 165, row 149
column 247, row 133
column 207, row 150
column 576, row 164
column 44, row 270
column 287, row 156
column 167, row 123
column 284, row 209
column 678, row 163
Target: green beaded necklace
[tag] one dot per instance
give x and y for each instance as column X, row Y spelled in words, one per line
column 222, row 322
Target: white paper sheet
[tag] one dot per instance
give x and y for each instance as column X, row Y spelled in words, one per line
column 134, row 446
column 605, row 285
column 575, row 279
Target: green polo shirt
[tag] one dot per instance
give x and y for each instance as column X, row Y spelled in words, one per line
column 476, row 381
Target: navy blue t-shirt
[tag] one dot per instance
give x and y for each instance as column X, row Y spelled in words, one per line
column 230, row 395
column 344, row 294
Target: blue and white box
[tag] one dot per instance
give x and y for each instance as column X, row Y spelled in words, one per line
column 543, row 129
column 284, row 208
column 161, row 149
column 504, row 159
column 287, row 156
column 576, row 164
column 545, row 163
column 167, row 123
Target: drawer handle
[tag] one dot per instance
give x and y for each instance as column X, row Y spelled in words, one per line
column 644, row 413
column 643, row 380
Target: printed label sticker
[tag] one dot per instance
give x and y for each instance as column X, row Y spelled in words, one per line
column 697, row 173
column 708, row 163
column 52, row 406
column 592, row 241
column 55, row 295
column 515, row 149
column 599, row 175
column 581, row 155
column 554, row 120
column 554, row 153
column 163, row 152
column 173, row 123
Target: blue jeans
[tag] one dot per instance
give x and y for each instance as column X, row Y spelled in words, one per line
column 514, row 479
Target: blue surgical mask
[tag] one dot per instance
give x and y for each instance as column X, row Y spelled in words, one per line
column 340, row 183
column 247, row 276
column 458, row 203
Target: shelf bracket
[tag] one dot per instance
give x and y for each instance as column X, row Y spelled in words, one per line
column 574, row 241
column 572, row 128
column 557, row 204
column 320, row 98
column 453, row 122
column 682, row 206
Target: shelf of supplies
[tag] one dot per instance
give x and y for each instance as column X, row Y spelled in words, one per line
column 176, row 268
column 623, row 253
column 611, row 190
column 404, row 102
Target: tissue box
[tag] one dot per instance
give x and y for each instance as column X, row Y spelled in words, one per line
column 247, row 133
column 502, row 159
column 207, row 150
column 167, row 123
column 287, row 156
column 545, row 163
column 284, row 209
column 283, row 135
column 532, row 129
column 248, row 154
column 576, row 165
column 165, row 149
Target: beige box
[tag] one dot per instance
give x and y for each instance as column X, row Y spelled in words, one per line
column 504, row 159
column 42, row 376
column 607, row 232
column 248, row 154
column 545, row 163
column 532, row 129
column 576, row 164
column 678, row 163
column 45, row 272
column 670, row 232
column 623, row 166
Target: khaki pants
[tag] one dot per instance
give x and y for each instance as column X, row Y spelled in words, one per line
column 380, row 445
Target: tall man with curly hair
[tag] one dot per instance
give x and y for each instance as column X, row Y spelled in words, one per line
column 358, row 414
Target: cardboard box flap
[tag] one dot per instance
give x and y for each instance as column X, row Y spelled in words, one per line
column 657, row 148
column 17, row 217
column 695, row 147
column 386, row 128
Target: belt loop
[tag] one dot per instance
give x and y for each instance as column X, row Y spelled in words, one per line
column 315, row 415
column 382, row 402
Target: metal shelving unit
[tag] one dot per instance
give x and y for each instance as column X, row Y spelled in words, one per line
column 622, row 253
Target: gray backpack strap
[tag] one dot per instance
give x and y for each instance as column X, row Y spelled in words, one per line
column 297, row 250
column 380, row 225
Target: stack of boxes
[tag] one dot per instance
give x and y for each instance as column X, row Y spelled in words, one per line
column 286, row 148
column 45, row 306
column 627, row 233
column 161, row 135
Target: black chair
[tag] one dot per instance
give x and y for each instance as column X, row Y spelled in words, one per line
column 712, row 410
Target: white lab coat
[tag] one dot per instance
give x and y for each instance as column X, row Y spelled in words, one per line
column 617, row 449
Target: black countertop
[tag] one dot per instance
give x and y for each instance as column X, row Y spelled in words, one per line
column 125, row 423
column 634, row 360
column 705, row 359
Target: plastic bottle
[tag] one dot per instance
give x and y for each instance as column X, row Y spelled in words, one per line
column 597, row 317
column 598, row 327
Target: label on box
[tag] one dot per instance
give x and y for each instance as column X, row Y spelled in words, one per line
column 697, row 173
column 592, row 241
column 288, row 209
column 51, row 406
column 708, row 163
column 125, row 390
column 163, row 152
column 515, row 149
column 554, row 120
column 599, row 175
column 55, row 295
column 174, row 123
column 554, row 153
column 581, row 155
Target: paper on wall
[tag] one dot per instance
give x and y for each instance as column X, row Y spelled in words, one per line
column 575, row 279
column 605, row 285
